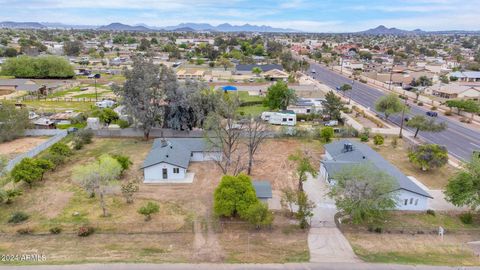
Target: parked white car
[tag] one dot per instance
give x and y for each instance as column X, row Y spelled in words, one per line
column 105, row 103
column 331, row 123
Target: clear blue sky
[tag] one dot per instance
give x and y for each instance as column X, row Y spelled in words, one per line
column 315, row 16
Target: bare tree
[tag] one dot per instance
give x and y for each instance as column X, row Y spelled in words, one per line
column 256, row 131
column 223, row 132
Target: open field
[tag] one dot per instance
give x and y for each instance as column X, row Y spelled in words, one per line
column 414, row 249
column 183, row 231
column 58, row 106
column 433, row 179
column 19, row 146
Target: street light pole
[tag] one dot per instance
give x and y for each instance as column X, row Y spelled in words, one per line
column 400, row 135
column 351, row 90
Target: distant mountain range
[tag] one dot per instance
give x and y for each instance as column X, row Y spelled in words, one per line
column 225, row 27
column 382, row 30
column 183, row 27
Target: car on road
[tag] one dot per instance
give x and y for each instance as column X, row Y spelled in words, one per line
column 72, row 130
column 432, row 114
column 314, row 71
column 407, row 119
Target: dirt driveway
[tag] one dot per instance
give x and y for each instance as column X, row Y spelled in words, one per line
column 19, row 146
column 325, row 241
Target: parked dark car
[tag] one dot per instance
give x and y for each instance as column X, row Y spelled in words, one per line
column 407, row 119
column 432, row 114
column 72, row 130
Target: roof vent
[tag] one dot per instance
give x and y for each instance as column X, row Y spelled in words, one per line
column 347, row 147
column 166, row 156
column 164, row 143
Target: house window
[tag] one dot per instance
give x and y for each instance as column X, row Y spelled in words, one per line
column 284, row 119
column 290, row 119
column 191, row 154
column 176, row 170
column 411, row 200
column 406, row 201
column 416, row 201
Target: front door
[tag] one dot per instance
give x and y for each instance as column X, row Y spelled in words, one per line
column 165, row 173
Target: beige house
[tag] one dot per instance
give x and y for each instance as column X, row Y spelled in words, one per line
column 275, row 75
column 190, row 74
column 453, row 91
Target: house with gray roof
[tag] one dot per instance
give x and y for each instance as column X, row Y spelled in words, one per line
column 169, row 159
column 411, row 194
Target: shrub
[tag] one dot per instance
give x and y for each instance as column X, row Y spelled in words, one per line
column 78, row 144
column 326, row 134
column 448, row 113
column 85, row 231
column 149, row 209
column 122, row 123
column 394, row 142
column 431, row 212
column 55, row 230
column 124, row 161
column 434, row 108
column 24, row 231
column 60, row 149
column 378, row 230
column 84, row 135
column 420, row 103
column 55, row 158
column 259, row 215
column 364, row 137
column 18, row 217
column 378, row 139
column 466, row 218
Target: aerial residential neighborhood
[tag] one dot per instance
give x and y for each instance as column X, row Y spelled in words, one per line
column 239, row 135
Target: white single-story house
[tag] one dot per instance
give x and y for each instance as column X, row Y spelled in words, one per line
column 411, row 194
column 169, row 159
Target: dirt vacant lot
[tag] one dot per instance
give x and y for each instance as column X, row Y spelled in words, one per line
column 19, row 146
column 183, row 231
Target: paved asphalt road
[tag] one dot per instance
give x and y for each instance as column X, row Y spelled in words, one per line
column 459, row 139
column 293, row 266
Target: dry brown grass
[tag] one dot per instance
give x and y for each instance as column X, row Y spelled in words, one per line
column 434, row 179
column 19, row 146
column 417, row 249
column 58, row 197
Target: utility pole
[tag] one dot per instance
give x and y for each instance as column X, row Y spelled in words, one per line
column 390, row 82
column 351, row 90
column 403, row 115
column 341, row 64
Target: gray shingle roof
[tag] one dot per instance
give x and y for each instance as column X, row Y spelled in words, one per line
column 263, row 189
column 176, row 151
column 265, row 68
column 363, row 153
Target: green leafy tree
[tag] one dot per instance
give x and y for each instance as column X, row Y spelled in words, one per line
column 305, row 209
column 224, row 62
column 333, row 106
column 44, row 164
column 148, row 210
column 257, row 70
column 60, row 149
column 106, row 115
column 96, row 176
column 463, row 189
column 144, row 92
column 259, row 215
column 326, row 134
column 26, row 171
column 43, row 67
column 345, row 88
column 428, row 156
column 7, row 196
column 124, row 161
column 304, row 167
column 279, row 96
column 13, row 121
column 363, row 192
column 422, row 123
column 72, row 48
column 389, row 105
column 234, row 196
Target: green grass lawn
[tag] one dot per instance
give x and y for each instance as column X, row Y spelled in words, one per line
column 245, row 97
column 254, row 110
column 59, row 106
column 64, row 93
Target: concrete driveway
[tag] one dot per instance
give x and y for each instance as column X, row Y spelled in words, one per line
column 325, row 241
